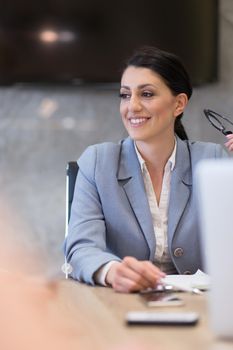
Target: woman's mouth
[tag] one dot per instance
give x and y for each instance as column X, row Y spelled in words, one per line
column 138, row 121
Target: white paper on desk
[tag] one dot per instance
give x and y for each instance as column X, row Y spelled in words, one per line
column 198, row 280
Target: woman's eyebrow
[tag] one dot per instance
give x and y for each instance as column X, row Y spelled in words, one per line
column 141, row 86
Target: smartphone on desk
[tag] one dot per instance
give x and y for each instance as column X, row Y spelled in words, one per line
column 161, row 299
column 161, row 318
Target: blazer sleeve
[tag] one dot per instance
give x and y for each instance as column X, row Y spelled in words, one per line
column 206, row 150
column 85, row 245
column 220, row 152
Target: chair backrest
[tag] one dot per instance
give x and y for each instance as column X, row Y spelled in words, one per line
column 71, row 174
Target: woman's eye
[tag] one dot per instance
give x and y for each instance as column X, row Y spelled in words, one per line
column 124, row 95
column 147, row 94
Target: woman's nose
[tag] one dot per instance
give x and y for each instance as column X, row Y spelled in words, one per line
column 134, row 104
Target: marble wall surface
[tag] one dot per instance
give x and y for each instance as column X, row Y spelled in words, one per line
column 41, row 128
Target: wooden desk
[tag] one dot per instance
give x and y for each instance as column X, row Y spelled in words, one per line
column 96, row 315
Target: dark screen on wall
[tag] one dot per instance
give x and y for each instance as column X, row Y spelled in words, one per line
column 88, row 41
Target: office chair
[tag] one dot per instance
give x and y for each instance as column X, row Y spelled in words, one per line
column 71, row 174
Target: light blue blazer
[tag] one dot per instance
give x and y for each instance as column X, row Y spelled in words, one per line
column 110, row 215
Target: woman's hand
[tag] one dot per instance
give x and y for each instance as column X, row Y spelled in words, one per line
column 229, row 143
column 132, row 275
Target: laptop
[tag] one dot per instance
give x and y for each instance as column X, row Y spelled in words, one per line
column 214, row 190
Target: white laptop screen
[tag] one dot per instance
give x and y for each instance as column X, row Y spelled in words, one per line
column 214, row 190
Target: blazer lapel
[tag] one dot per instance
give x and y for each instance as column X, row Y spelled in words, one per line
column 181, row 182
column 130, row 177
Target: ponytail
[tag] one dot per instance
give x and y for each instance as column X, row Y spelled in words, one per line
column 179, row 129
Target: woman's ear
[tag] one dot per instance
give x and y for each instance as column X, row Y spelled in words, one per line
column 181, row 103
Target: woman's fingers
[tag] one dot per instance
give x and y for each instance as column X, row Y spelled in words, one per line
column 146, row 271
column 133, row 275
column 229, row 143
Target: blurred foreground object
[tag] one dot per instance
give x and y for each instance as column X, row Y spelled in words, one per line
column 30, row 315
column 34, row 312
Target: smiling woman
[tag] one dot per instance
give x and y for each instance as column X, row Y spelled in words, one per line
column 148, row 107
column 133, row 216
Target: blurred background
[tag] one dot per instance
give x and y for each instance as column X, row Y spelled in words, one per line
column 60, row 66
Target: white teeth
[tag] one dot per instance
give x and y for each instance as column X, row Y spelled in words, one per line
column 137, row 120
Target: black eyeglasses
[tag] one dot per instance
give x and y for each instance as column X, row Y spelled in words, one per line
column 217, row 121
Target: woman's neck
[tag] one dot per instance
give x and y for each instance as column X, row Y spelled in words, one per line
column 156, row 154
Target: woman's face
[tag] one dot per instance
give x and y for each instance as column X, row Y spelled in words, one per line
column 148, row 108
